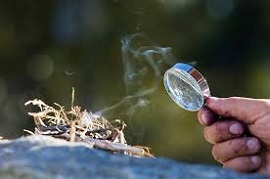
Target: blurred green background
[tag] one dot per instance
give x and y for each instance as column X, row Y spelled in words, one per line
column 47, row 47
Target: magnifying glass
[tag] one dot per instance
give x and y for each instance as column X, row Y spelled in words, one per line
column 186, row 86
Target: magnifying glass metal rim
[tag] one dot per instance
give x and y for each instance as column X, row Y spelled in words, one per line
column 194, row 74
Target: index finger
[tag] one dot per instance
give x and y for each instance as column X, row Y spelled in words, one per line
column 244, row 109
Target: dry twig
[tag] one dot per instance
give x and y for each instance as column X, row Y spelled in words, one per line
column 77, row 125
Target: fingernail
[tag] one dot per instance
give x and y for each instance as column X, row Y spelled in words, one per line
column 236, row 129
column 204, row 118
column 252, row 144
column 255, row 160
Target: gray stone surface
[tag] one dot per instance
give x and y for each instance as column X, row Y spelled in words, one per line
column 46, row 157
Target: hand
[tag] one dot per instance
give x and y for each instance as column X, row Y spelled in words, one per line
column 239, row 129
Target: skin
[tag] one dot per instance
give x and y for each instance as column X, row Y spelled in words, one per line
column 239, row 129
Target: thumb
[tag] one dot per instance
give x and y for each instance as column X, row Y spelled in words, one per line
column 244, row 109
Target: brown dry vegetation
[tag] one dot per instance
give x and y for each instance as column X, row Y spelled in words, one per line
column 77, row 125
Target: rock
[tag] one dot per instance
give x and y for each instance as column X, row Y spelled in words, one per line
column 47, row 157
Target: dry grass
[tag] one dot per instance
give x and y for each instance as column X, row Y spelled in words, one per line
column 79, row 125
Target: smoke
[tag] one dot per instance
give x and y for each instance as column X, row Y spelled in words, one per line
column 143, row 66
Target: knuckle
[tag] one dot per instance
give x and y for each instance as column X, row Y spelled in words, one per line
column 217, row 132
column 242, row 164
column 237, row 146
column 263, row 109
column 225, row 111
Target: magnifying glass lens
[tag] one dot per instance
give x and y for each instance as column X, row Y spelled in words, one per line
column 186, row 86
